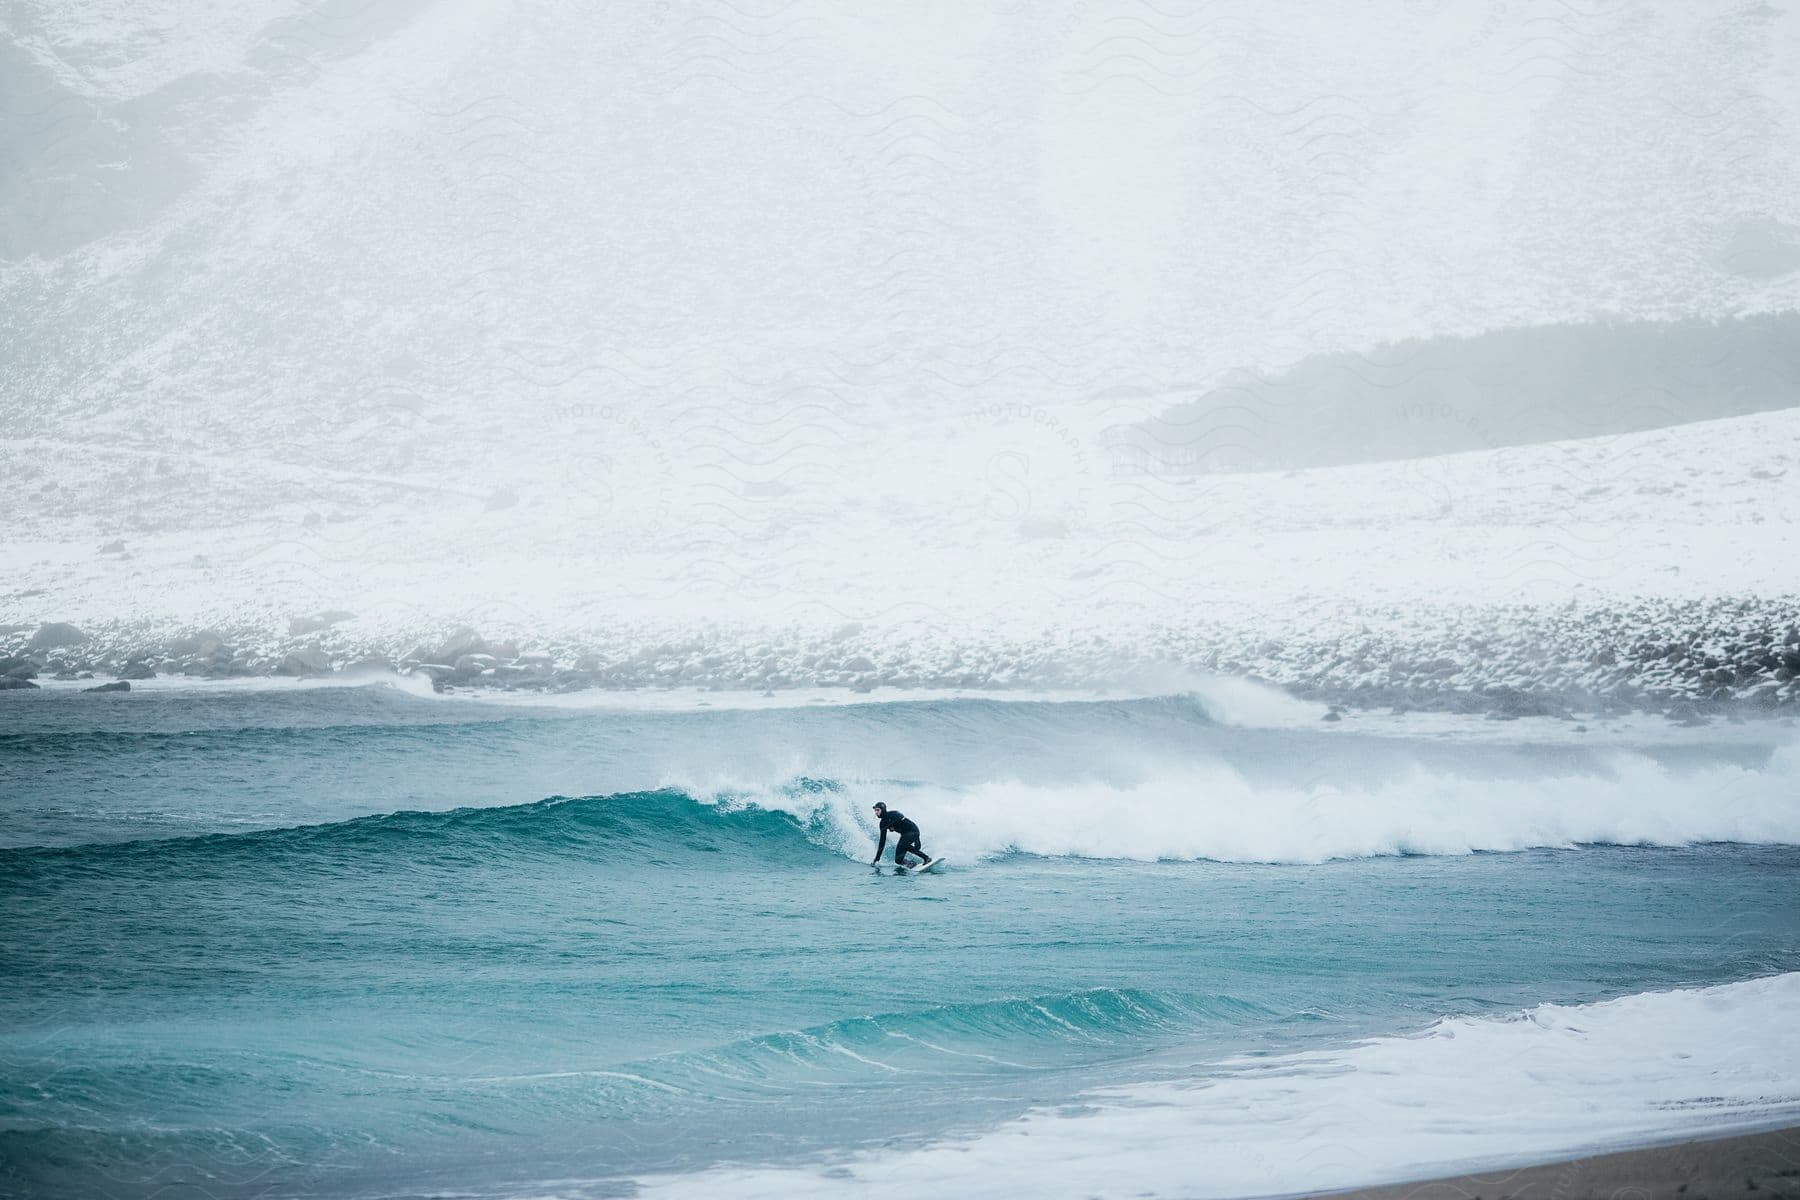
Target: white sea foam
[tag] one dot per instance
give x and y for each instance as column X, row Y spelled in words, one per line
column 418, row 686
column 1466, row 1094
column 1213, row 811
column 1246, row 704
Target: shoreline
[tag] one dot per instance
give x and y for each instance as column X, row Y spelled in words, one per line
column 1647, row 726
column 1689, row 663
column 1765, row 1164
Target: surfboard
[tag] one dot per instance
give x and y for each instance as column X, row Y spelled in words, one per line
column 930, row 866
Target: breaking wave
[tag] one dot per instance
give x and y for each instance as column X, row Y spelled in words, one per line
column 1187, row 812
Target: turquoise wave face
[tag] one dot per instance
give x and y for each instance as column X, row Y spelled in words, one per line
column 625, row 832
column 593, row 987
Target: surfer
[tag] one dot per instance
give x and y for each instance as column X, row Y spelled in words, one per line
column 906, row 831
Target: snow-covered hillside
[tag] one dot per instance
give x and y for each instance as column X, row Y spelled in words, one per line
column 1573, row 552
column 702, row 334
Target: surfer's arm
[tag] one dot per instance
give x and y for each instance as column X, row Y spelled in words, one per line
column 881, row 845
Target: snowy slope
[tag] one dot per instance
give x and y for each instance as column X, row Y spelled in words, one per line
column 465, row 197
column 607, row 325
column 989, row 552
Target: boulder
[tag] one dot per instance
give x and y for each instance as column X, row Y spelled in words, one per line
column 301, row 626
column 9, row 683
column 463, row 641
column 56, row 633
column 1766, row 694
column 116, row 686
column 137, row 670
column 573, row 681
column 307, row 661
column 208, row 643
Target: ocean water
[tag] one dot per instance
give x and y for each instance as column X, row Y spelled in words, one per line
column 359, row 942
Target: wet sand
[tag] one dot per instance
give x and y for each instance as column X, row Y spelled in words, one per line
column 1758, row 1166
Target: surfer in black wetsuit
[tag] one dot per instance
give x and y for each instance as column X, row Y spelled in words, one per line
column 906, row 831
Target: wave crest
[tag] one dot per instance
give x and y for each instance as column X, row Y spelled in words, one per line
column 1216, row 812
column 1190, row 812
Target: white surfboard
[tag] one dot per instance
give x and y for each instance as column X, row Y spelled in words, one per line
column 930, row 866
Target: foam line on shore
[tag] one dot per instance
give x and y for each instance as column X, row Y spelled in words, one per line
column 1466, row 1094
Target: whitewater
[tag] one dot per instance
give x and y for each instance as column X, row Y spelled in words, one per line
column 361, row 941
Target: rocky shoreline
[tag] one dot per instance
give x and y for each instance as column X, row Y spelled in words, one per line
column 1687, row 660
